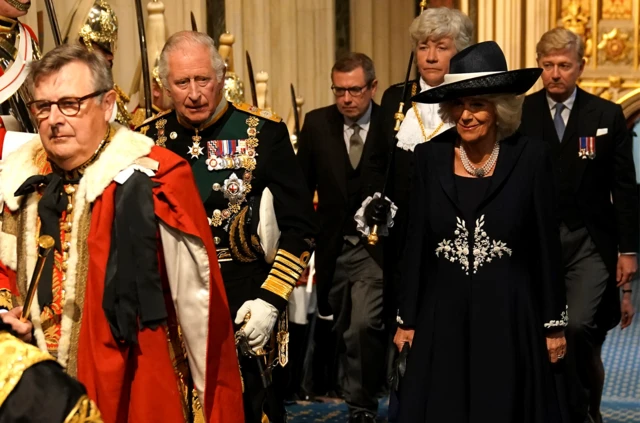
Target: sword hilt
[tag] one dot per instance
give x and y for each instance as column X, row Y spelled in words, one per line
column 260, row 351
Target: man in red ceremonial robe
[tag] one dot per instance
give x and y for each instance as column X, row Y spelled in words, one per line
column 131, row 301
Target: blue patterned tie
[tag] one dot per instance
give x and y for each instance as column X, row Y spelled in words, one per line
column 558, row 122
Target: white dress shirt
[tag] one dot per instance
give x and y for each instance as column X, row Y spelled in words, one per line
column 568, row 105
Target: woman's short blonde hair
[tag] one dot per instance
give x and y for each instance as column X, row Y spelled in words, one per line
column 559, row 39
column 441, row 22
column 508, row 109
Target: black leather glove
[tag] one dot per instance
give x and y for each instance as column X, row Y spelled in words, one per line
column 377, row 211
column 399, row 367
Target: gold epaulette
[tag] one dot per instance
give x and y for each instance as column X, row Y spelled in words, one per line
column 138, row 117
column 15, row 358
column 152, row 118
column 256, row 111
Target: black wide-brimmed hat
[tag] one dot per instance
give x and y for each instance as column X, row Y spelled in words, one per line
column 480, row 69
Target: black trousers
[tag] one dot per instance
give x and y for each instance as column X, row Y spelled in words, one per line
column 242, row 282
column 258, row 400
column 356, row 299
column 586, row 278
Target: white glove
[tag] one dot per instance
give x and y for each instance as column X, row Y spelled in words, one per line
column 258, row 328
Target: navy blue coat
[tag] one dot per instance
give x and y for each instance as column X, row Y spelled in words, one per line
column 481, row 288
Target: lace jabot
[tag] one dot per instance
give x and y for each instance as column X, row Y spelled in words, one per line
column 410, row 133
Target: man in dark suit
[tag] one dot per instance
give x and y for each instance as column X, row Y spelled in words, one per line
column 334, row 144
column 598, row 205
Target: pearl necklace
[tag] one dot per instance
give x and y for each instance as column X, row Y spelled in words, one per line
column 482, row 171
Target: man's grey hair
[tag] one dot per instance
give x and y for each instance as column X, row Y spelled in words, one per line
column 438, row 22
column 59, row 57
column 508, row 112
column 176, row 41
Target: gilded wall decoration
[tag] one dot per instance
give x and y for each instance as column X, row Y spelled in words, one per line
column 616, row 9
column 615, row 46
column 575, row 18
column 613, row 87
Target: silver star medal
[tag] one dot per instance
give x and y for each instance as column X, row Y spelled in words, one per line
column 196, row 149
column 234, row 189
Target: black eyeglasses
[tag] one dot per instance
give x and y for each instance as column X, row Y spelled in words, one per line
column 68, row 106
column 353, row 91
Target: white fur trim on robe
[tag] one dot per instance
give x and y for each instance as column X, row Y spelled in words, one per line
column 122, row 151
column 8, row 250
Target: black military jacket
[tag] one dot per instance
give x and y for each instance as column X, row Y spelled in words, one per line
column 235, row 156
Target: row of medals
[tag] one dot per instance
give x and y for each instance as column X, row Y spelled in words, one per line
column 233, row 188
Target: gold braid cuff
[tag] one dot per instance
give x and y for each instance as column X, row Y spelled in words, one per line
column 85, row 411
column 16, row 358
column 294, row 266
column 285, row 273
column 280, row 288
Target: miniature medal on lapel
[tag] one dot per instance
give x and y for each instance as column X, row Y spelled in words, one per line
column 587, row 148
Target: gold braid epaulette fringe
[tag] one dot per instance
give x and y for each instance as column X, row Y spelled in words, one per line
column 256, row 111
column 152, row 118
column 285, row 273
column 138, row 116
column 85, row 411
column 17, row 357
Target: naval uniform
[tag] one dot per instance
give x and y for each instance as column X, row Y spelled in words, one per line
column 242, row 159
